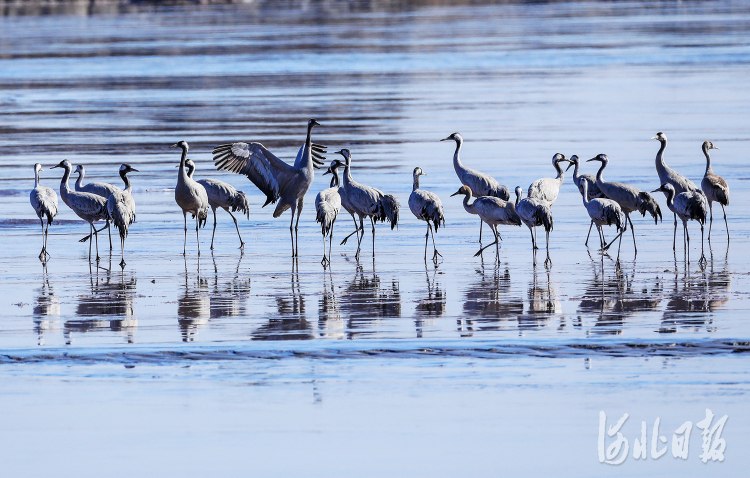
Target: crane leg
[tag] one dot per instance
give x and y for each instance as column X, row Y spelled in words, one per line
column 722, row 208
column 44, row 241
column 291, row 225
column 122, row 250
column 91, row 228
column 88, row 236
column 632, row 231
column 618, row 252
column 703, row 254
column 197, row 239
column 497, row 243
column 686, row 235
column 96, row 237
column 481, row 223
column 360, row 236
column 589, row 234
column 300, row 205
column 46, row 236
column 356, row 231
column 109, row 231
column 426, row 238
column 435, row 254
column 674, row 240
column 601, row 236
column 535, row 245
column 184, row 244
column 214, row 233
column 242, row 244
column 481, row 249
column 372, row 221
column 711, row 221
column 548, row 260
column 323, row 261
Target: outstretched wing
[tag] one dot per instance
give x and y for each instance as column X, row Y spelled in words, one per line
column 253, row 160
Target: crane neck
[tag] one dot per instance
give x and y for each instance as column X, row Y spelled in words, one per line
column 124, row 176
column 599, row 178
column 575, row 172
column 670, row 193
column 182, row 175
column 585, row 186
column 469, row 207
column 518, row 197
column 416, row 182
column 560, row 173
column 347, row 176
column 708, row 160
column 36, row 179
column 335, row 179
column 79, row 181
column 64, row 188
column 456, row 159
column 661, row 166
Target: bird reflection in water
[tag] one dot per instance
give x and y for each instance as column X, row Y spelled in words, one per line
column 543, row 303
column 431, row 306
column 110, row 296
column 488, row 301
column 366, row 300
column 194, row 307
column 292, row 323
column 46, row 306
column 228, row 298
column 696, row 296
column 330, row 320
column 615, row 297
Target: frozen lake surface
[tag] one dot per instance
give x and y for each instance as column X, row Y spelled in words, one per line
column 253, row 362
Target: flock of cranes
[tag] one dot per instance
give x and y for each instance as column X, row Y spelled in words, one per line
column 607, row 203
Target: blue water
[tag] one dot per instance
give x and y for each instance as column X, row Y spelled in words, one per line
column 386, row 364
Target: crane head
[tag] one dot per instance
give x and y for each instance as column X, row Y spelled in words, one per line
column 37, row 168
column 346, row 154
column 335, row 164
column 455, row 137
column 558, row 157
column 182, row 144
column 465, row 190
column 418, row 172
column 65, row 164
column 709, row 145
column 126, row 168
column 599, row 157
column 312, row 123
column 573, row 161
column 666, row 188
column 80, row 169
column 660, row 136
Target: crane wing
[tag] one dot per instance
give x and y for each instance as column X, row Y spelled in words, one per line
column 256, row 162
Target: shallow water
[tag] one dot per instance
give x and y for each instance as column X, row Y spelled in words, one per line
column 473, row 357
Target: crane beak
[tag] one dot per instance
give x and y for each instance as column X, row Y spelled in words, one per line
column 424, row 174
column 328, row 171
column 654, row 137
column 456, row 193
column 133, row 169
column 446, row 139
column 595, row 159
column 571, row 164
column 715, row 147
column 55, row 166
column 657, row 189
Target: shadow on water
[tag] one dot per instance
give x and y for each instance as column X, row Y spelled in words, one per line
column 292, row 323
column 695, row 296
column 330, row 320
column 366, row 300
column 112, row 294
column 488, row 300
column 433, row 305
column 614, row 297
column 543, row 303
column 46, row 306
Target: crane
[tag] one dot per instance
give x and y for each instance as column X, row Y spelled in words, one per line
column 191, row 197
column 44, row 202
column 426, row 206
column 715, row 188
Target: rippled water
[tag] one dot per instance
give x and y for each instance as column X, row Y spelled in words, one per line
column 520, row 81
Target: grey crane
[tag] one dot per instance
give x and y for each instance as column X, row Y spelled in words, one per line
column 491, row 210
column 327, row 207
column 104, row 190
column 480, row 184
column 366, row 201
column 579, row 180
column 628, row 197
column 688, row 205
column 191, row 197
column 715, row 188
column 121, row 208
column 547, row 189
column 87, row 206
column 603, row 212
column 668, row 175
column 44, row 202
column 426, row 206
column 222, row 195
column 278, row 180
column 535, row 212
